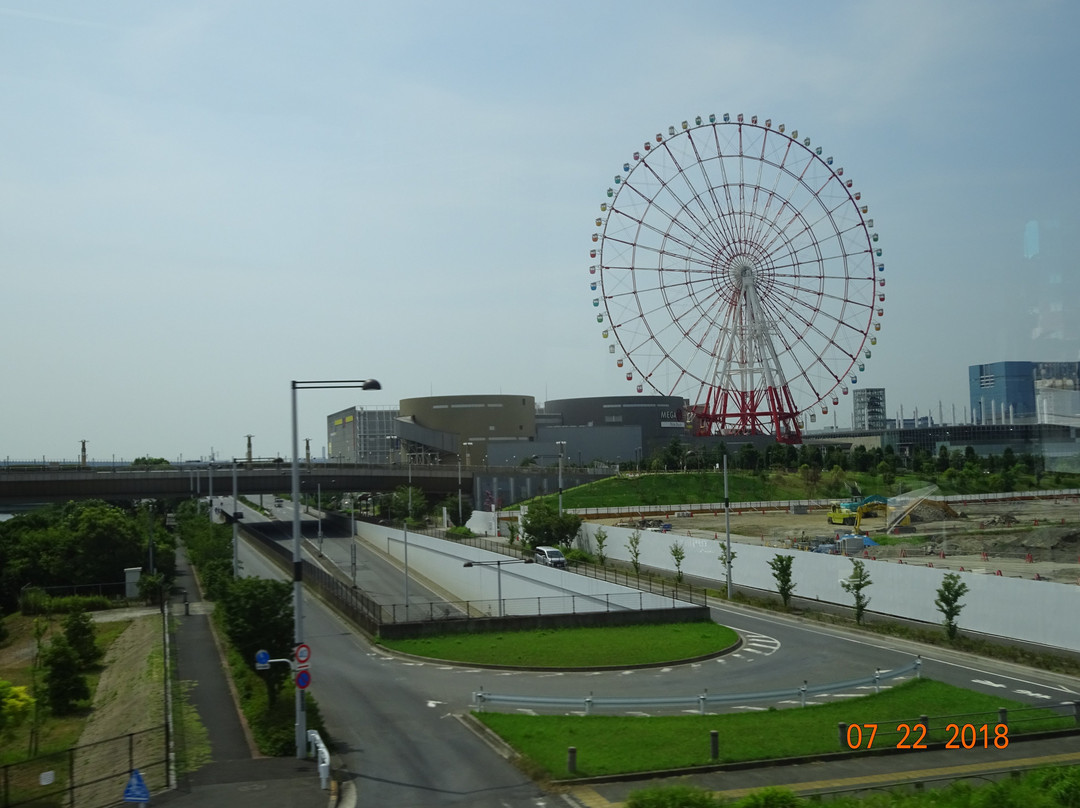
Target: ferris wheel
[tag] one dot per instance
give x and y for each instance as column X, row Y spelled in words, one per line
column 737, row 268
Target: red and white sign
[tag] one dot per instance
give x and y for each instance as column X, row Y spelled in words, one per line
column 302, row 654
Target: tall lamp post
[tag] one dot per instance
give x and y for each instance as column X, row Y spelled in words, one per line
column 297, row 540
column 498, row 573
column 562, row 447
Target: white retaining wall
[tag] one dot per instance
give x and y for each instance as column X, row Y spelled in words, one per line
column 442, row 562
column 1033, row 611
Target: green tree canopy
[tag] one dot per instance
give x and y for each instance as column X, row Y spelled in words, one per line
column 543, row 525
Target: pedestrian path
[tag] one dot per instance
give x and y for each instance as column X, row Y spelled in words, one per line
column 237, row 776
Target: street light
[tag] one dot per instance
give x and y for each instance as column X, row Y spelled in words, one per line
column 498, row 572
column 297, row 541
column 562, row 447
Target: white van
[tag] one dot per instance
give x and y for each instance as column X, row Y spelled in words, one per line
column 551, row 556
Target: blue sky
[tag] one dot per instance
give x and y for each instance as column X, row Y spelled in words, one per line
column 202, row 201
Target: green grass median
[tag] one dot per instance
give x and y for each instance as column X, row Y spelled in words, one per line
column 575, row 647
column 612, row 745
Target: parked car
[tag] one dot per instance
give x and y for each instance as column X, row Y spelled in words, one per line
column 551, row 556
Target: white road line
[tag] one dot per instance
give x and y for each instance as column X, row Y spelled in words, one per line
column 1033, row 694
column 987, row 683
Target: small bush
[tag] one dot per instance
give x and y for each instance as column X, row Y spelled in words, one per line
column 673, row 797
column 771, row 797
column 37, row 601
column 65, row 685
column 80, row 634
column 461, row 532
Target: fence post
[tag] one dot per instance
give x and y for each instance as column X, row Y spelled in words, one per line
column 71, row 775
column 571, row 759
column 1003, row 716
column 842, row 732
column 925, row 721
column 714, row 744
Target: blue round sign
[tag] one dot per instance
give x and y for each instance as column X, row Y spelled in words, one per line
column 262, row 657
column 303, row 679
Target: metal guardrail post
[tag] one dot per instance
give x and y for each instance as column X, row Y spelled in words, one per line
column 1003, row 716
column 714, row 745
column 841, row 729
column 571, row 759
column 322, row 757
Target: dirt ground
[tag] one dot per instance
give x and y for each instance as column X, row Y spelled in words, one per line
column 1021, row 538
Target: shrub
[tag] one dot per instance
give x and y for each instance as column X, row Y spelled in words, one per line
column 79, row 632
column 65, row 684
column 672, row 797
column 37, row 601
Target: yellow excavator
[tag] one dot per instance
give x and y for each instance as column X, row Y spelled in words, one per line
column 839, row 515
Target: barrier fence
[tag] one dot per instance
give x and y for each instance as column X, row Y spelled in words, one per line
column 89, row 776
column 702, row 701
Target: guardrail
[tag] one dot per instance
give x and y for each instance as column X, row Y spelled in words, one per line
column 703, row 700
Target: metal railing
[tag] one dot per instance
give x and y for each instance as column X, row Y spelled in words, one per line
column 89, row 776
column 703, row 700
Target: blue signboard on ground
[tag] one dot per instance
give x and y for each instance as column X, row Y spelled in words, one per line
column 136, row 790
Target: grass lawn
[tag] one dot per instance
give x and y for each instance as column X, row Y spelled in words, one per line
column 575, row 647
column 620, row 744
column 55, row 733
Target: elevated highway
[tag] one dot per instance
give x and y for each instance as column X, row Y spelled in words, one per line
column 30, row 485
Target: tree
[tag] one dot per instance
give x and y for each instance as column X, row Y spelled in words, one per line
column 726, row 560
column 811, row 476
column 854, row 586
column 948, row 601
column 15, row 705
column 601, row 540
column 65, row 684
column 678, row 554
column 453, row 505
column 781, row 570
column 633, row 546
column 408, row 502
column 80, row 634
column 542, row 525
column 258, row 615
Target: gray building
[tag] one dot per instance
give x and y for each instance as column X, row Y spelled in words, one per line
column 869, row 408
column 362, row 435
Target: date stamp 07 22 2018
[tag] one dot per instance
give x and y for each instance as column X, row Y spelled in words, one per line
column 913, row 736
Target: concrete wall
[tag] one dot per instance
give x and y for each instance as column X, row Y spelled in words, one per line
column 1028, row 610
column 442, row 562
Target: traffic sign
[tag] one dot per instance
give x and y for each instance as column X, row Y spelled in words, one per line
column 136, row 790
column 303, row 679
column 262, row 660
column 303, row 654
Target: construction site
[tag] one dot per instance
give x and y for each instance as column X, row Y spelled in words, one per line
column 1036, row 538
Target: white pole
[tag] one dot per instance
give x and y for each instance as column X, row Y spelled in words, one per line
column 235, row 527
column 727, row 528
column 298, row 590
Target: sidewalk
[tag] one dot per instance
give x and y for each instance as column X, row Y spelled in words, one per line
column 236, row 777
